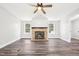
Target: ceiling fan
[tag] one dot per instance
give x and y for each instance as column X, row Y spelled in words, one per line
column 40, row 6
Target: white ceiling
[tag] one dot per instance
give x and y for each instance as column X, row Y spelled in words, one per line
column 25, row 12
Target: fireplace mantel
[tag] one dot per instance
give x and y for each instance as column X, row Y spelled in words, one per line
column 39, row 33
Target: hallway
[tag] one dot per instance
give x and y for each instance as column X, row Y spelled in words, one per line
column 54, row 47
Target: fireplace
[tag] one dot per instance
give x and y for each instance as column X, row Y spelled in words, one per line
column 39, row 34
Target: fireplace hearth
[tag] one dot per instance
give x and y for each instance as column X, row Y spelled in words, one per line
column 39, row 34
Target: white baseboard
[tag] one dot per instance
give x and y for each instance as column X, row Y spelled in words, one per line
column 75, row 38
column 65, row 40
column 8, row 43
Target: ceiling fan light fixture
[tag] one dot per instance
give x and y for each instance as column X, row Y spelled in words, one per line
column 39, row 8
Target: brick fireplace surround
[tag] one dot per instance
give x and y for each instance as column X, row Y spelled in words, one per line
column 39, row 34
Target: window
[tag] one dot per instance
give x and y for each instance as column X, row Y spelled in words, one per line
column 50, row 28
column 27, row 27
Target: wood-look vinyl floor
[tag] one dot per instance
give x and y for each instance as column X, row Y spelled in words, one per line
column 54, row 47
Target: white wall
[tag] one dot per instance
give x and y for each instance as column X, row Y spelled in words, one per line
column 65, row 29
column 39, row 20
column 56, row 32
column 9, row 27
column 75, row 29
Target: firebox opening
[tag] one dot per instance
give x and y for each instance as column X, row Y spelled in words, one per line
column 39, row 35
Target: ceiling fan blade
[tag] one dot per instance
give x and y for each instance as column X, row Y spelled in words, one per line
column 47, row 5
column 43, row 10
column 33, row 5
column 38, row 4
column 41, row 4
column 36, row 10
